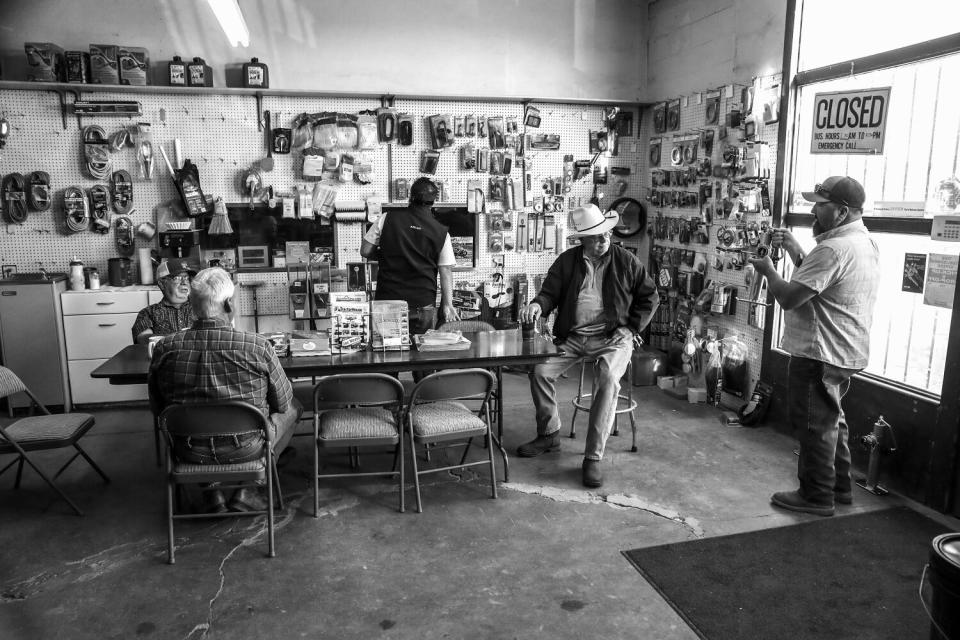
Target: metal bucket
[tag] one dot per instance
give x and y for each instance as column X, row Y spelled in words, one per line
column 943, row 575
column 118, row 272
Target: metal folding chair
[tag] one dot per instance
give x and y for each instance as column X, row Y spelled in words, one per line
column 199, row 421
column 355, row 411
column 40, row 433
column 436, row 413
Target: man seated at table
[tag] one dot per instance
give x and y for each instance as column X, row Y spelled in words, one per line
column 213, row 362
column 603, row 298
column 173, row 313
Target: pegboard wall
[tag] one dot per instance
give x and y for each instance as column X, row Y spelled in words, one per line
column 714, row 201
column 220, row 134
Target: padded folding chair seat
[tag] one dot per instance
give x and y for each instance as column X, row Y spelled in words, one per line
column 48, row 432
column 446, row 418
column 41, row 433
column 188, row 472
column 355, row 411
column 199, row 421
column 359, row 424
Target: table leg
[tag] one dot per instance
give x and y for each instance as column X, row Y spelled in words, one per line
column 499, row 392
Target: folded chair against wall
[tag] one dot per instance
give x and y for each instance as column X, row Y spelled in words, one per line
column 437, row 412
column 354, row 411
column 42, row 432
column 205, row 421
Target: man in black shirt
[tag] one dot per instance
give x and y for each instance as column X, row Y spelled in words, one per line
column 411, row 248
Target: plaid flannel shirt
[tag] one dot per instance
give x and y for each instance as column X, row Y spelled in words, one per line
column 213, row 362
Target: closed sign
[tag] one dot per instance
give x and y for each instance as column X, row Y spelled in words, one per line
column 849, row 122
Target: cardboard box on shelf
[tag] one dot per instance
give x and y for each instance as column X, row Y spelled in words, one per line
column 104, row 63
column 134, row 65
column 45, row 62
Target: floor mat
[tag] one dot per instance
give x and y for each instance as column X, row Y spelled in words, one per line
column 852, row 576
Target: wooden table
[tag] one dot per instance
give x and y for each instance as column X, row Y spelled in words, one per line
column 488, row 349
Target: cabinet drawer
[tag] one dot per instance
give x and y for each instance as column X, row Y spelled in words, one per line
column 103, row 302
column 88, row 390
column 97, row 336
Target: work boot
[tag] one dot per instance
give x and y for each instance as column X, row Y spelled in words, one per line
column 592, row 477
column 214, row 501
column 542, row 444
column 842, row 497
column 245, row 499
column 793, row 501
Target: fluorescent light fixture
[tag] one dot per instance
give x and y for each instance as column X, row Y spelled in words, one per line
column 231, row 21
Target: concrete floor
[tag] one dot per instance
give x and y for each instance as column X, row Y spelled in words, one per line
column 542, row 561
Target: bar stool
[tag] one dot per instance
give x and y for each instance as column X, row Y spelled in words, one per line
column 625, row 402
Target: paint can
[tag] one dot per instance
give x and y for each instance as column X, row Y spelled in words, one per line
column 943, row 573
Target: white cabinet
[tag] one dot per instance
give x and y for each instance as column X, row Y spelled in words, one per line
column 96, row 325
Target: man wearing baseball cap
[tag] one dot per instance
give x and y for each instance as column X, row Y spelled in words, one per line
column 829, row 303
column 604, row 298
column 171, row 314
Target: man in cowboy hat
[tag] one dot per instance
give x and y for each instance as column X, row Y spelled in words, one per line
column 603, row 297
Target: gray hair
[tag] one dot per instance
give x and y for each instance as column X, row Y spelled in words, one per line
column 209, row 290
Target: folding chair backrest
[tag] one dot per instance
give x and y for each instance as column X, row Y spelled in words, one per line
column 357, row 389
column 10, row 383
column 466, row 325
column 216, row 419
column 457, row 384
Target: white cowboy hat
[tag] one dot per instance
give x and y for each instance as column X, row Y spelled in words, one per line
column 590, row 221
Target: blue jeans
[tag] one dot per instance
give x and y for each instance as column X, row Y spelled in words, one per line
column 242, row 447
column 816, row 390
column 613, row 355
column 421, row 319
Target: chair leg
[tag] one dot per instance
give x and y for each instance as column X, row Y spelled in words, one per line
column 416, row 474
column 170, row 550
column 271, row 472
column 399, row 456
column 276, row 486
column 493, row 467
column 91, row 463
column 631, row 405
column 156, row 438
column 316, row 479
column 577, row 401
column 49, row 481
column 16, row 482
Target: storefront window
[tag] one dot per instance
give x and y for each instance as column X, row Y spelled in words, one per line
column 908, row 342
column 836, row 31
column 914, row 174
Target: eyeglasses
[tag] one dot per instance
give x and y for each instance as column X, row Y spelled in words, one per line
column 597, row 238
column 183, row 278
column 821, row 190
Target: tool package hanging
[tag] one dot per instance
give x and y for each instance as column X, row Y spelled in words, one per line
column 187, row 180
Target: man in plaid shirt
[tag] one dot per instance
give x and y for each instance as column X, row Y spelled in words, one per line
column 213, row 362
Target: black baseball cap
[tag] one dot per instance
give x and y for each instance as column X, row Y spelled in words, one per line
column 174, row 267
column 424, row 191
column 842, row 190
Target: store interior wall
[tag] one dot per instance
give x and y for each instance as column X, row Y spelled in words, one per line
column 699, row 44
column 586, row 49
